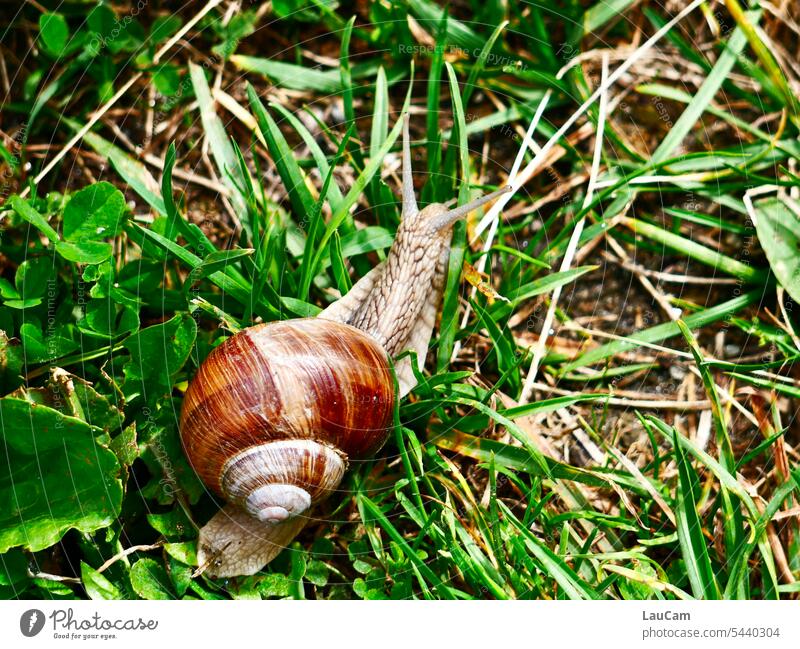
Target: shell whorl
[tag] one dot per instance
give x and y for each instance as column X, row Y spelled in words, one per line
column 307, row 379
column 284, row 479
column 270, row 422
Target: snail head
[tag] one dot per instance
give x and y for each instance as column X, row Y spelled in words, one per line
column 436, row 218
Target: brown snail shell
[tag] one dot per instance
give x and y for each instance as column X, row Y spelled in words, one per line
column 275, row 413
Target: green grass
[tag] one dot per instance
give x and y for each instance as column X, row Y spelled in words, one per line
column 172, row 226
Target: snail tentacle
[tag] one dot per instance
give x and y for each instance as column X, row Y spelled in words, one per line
column 394, row 301
column 445, row 220
column 409, row 199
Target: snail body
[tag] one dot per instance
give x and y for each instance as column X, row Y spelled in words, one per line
column 276, row 413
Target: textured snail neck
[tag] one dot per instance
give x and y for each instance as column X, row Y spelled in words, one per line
column 390, row 310
column 397, row 301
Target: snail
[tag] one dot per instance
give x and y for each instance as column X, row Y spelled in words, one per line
column 275, row 413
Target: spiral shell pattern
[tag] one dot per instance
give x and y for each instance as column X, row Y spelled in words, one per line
column 305, row 379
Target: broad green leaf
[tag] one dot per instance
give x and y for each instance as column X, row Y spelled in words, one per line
column 24, row 209
column 30, row 428
column 57, row 474
column 13, row 567
column 33, row 277
column 274, row 585
column 305, row 10
column 133, row 172
column 172, row 524
column 97, row 586
column 109, row 317
column 11, row 359
column 183, row 552
column 163, row 27
column 95, row 408
column 102, row 20
column 150, row 580
column 54, row 32
column 39, row 348
column 94, row 213
column 166, row 79
column 157, row 354
column 84, row 252
column 125, row 446
column 778, row 229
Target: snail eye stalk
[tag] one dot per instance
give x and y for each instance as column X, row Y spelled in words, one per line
column 448, row 218
column 409, row 200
